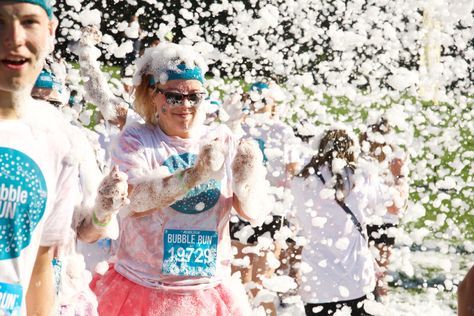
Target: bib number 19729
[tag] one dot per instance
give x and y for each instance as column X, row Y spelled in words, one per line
column 189, row 252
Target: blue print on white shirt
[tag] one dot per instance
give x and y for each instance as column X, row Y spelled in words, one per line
column 199, row 199
column 23, row 196
column 261, row 145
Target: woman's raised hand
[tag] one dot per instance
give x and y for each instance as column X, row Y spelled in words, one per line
column 210, row 160
column 112, row 194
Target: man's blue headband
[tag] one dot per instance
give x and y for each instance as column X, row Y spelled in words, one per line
column 258, row 86
column 47, row 80
column 45, row 4
column 215, row 102
column 183, row 73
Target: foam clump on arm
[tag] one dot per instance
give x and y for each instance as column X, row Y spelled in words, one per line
column 155, row 190
column 249, row 184
column 95, row 83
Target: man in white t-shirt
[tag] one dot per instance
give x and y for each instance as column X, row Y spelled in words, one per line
column 276, row 141
column 37, row 172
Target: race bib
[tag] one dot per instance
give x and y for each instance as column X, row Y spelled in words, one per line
column 10, row 299
column 190, row 252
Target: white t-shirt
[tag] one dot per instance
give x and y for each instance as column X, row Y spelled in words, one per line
column 342, row 267
column 38, row 179
column 152, row 248
column 278, row 145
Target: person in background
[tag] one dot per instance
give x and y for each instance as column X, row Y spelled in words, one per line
column 114, row 109
column 155, row 42
column 276, row 141
column 212, row 114
column 465, row 294
column 95, row 201
column 48, row 88
column 378, row 149
column 133, row 32
column 334, row 198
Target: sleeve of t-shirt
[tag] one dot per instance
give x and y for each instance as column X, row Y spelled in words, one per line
column 58, row 223
column 128, row 153
column 133, row 117
column 90, row 177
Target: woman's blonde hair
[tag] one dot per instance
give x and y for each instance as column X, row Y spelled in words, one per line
column 143, row 103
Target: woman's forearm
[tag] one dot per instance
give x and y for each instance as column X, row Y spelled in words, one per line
column 155, row 194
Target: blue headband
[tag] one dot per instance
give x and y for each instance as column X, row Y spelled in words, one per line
column 45, row 4
column 47, row 80
column 258, row 86
column 183, row 73
column 215, row 102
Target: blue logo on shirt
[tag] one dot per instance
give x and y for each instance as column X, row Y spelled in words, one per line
column 11, row 296
column 199, row 199
column 23, row 196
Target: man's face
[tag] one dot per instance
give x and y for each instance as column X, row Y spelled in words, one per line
column 26, row 34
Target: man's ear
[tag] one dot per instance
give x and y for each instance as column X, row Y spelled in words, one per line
column 53, row 25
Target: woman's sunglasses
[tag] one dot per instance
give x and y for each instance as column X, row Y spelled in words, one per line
column 177, row 99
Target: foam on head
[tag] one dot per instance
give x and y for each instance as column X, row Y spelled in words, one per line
column 159, row 61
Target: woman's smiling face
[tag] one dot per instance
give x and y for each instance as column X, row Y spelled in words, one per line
column 181, row 118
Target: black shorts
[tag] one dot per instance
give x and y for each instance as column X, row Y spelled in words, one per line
column 378, row 235
column 324, row 309
column 272, row 227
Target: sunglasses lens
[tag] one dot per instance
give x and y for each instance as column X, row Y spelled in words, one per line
column 173, row 98
column 195, row 98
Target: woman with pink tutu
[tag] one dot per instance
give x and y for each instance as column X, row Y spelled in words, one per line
column 174, row 248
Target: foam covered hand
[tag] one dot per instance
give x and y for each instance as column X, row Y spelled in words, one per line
column 249, row 183
column 210, row 161
column 112, row 194
column 247, row 164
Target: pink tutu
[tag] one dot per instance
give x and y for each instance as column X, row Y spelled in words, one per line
column 119, row 296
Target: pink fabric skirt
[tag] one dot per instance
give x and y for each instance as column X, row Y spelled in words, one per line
column 119, row 296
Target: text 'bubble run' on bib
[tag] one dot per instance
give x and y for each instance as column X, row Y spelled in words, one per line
column 11, row 296
column 190, row 252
